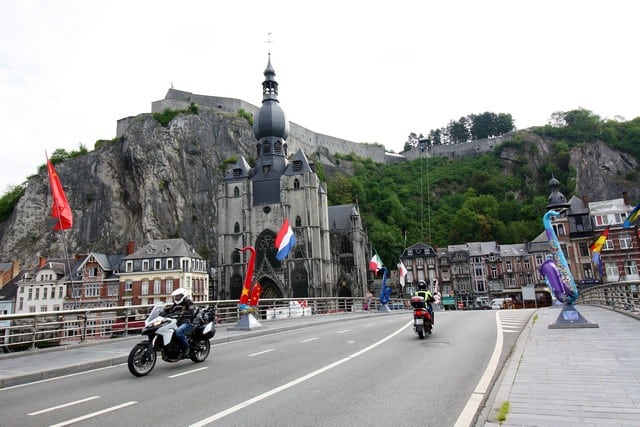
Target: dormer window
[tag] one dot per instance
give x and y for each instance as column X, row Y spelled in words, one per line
column 297, row 165
column 266, row 168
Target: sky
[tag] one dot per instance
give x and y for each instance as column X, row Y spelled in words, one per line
column 366, row 71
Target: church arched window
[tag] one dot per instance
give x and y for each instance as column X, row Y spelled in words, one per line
column 236, row 228
column 235, row 257
column 296, row 184
column 298, row 221
column 266, row 148
column 236, row 192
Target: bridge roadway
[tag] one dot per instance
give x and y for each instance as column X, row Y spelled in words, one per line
column 549, row 377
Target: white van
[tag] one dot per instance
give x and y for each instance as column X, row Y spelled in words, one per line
column 496, row 303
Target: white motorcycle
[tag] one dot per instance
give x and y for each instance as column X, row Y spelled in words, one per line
column 162, row 338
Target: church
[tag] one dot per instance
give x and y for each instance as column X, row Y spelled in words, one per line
column 331, row 253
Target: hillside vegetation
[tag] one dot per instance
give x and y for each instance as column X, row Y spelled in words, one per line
column 443, row 202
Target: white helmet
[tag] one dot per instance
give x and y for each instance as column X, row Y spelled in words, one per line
column 179, row 295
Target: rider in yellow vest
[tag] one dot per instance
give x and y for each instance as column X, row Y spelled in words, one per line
column 428, row 298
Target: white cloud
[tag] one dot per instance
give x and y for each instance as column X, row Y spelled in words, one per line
column 361, row 70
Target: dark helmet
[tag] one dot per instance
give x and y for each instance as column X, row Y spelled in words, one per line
column 422, row 286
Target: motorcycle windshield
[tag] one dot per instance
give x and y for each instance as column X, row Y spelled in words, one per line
column 155, row 312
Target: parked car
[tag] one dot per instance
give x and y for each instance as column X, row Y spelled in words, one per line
column 497, row 303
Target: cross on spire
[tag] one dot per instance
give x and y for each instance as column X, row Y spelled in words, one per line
column 268, row 42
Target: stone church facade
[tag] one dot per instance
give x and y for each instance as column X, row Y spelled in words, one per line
column 331, row 251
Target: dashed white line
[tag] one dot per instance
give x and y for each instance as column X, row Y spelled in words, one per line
column 310, row 339
column 64, row 405
column 343, row 331
column 188, row 372
column 297, row 381
column 93, row 414
column 260, row 352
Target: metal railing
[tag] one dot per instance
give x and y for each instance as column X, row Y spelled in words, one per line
column 620, row 296
column 29, row 331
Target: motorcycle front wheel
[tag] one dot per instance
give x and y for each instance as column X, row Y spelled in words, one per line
column 200, row 350
column 140, row 362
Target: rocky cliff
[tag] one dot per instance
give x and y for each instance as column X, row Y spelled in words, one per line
column 158, row 182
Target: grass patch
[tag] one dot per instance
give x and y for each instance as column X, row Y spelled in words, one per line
column 503, row 411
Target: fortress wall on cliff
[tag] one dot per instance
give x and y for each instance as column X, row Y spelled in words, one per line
column 299, row 137
column 461, row 150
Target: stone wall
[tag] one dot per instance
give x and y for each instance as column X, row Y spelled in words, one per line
column 299, row 136
column 461, row 150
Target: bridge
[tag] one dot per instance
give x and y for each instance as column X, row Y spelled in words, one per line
column 546, row 376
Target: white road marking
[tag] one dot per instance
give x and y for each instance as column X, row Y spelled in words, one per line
column 188, row 372
column 297, row 381
column 469, row 411
column 310, row 339
column 61, row 377
column 260, row 352
column 64, row 405
column 93, row 414
column 343, row 331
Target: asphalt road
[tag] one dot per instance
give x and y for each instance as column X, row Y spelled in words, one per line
column 369, row 371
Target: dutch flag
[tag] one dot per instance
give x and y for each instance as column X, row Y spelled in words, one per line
column 284, row 240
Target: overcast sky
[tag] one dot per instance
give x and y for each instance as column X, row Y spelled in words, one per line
column 367, row 71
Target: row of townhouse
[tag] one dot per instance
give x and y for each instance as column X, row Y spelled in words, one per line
column 138, row 277
column 479, row 271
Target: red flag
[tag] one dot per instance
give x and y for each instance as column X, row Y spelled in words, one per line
column 61, row 209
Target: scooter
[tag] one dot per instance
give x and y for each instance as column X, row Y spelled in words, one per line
column 422, row 321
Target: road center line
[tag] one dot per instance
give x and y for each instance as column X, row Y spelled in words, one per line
column 93, row 414
column 260, row 352
column 64, row 405
column 188, row 372
column 292, row 383
column 310, row 339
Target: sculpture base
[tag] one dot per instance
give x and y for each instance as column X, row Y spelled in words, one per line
column 570, row 318
column 246, row 323
column 384, row 308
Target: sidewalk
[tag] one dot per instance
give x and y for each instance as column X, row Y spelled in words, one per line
column 571, row 377
column 22, row 367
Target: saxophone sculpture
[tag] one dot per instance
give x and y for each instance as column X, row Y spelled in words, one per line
column 385, row 291
column 556, row 269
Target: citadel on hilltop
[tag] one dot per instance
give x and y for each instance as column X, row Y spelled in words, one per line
column 303, row 138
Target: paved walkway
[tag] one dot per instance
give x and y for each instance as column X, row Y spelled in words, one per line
column 553, row 377
column 571, row 377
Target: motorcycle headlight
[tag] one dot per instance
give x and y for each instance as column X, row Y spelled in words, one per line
column 156, row 322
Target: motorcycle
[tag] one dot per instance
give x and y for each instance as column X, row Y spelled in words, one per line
column 160, row 332
column 422, row 321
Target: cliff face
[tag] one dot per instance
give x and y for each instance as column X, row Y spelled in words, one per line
column 162, row 183
column 157, row 183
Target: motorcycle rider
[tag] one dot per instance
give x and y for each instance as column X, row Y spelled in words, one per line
column 428, row 298
column 183, row 310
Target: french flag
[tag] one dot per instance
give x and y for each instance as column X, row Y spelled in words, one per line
column 284, row 240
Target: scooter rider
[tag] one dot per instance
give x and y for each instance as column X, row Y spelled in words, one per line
column 183, row 310
column 428, row 298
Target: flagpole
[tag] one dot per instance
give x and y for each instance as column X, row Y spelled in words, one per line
column 64, row 242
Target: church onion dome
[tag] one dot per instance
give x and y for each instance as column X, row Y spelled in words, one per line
column 270, row 121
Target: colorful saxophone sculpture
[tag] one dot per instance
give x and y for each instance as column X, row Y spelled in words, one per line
column 556, row 269
column 250, row 293
column 385, row 291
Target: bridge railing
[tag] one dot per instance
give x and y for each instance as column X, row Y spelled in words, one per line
column 622, row 296
column 28, row 331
